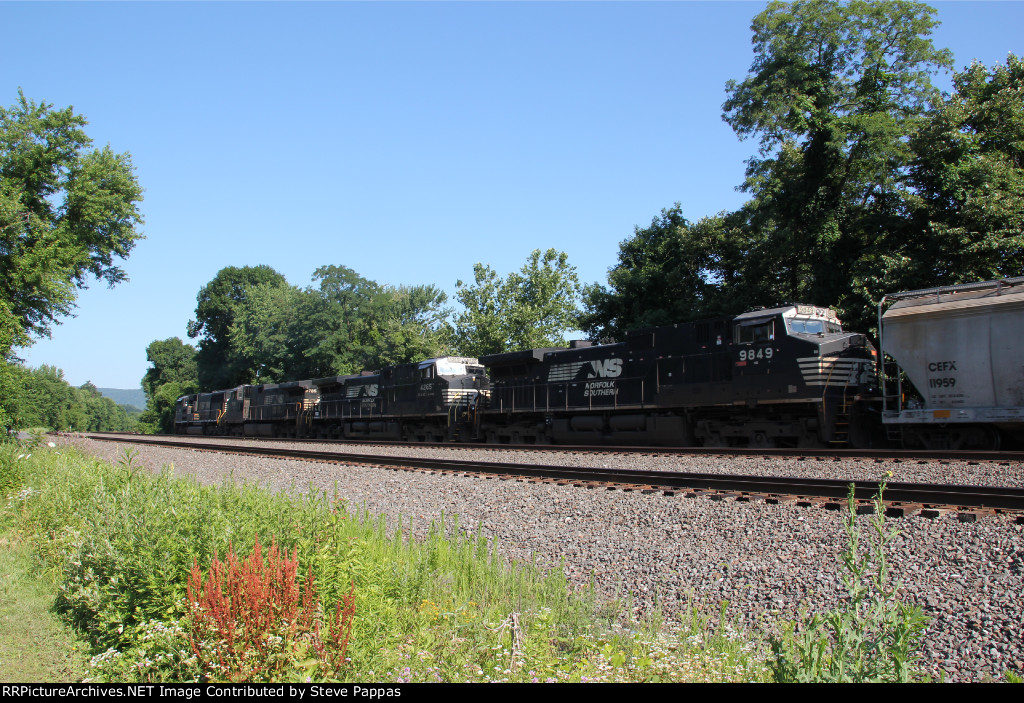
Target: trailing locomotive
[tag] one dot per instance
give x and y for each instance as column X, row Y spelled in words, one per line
column 787, row 376
column 430, row 400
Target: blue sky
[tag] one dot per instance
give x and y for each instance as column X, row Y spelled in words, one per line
column 404, row 140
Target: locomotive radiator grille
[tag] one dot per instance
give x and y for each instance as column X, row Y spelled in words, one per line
column 830, row 371
column 456, row 396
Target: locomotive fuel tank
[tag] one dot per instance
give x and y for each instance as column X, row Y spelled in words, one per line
column 959, row 380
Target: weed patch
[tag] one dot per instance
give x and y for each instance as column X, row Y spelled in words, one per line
column 872, row 636
column 250, row 622
column 125, row 548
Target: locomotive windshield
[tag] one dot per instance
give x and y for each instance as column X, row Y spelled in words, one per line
column 803, row 325
column 450, row 368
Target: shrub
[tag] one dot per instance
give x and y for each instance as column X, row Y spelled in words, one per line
column 250, row 622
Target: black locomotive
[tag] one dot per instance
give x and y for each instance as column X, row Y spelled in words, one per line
column 787, row 376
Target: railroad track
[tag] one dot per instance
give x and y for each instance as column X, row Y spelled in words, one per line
column 837, row 454
column 901, row 499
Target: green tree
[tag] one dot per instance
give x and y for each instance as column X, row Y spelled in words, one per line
column 172, row 361
column 264, row 333
column 256, row 328
column 45, row 399
column 338, row 319
column 350, row 323
column 172, row 374
column 672, row 271
column 97, row 413
column 410, row 325
column 66, row 212
column 159, row 413
column 532, row 308
column 12, row 391
column 833, row 95
column 965, row 213
column 968, row 176
column 219, row 364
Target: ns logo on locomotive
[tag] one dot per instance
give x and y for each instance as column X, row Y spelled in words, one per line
column 782, row 377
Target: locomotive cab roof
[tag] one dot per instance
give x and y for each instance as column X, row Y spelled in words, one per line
column 517, row 357
column 450, row 365
column 800, row 319
column 333, row 380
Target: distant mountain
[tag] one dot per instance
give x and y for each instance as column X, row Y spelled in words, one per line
column 125, row 396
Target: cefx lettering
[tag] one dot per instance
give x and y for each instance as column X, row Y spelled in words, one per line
column 942, row 366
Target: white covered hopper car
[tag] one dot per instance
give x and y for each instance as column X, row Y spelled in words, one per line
column 961, row 348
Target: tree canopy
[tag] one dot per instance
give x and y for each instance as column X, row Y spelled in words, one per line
column 968, row 181
column 671, row 271
column 866, row 180
column 66, row 212
column 172, row 374
column 834, row 93
column 255, row 327
column 532, row 308
column 43, row 398
column 220, row 363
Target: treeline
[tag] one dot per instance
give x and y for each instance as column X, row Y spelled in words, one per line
column 42, row 398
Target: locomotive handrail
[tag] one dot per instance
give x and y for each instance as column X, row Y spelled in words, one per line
column 510, row 393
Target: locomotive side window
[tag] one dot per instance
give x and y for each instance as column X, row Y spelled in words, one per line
column 758, row 331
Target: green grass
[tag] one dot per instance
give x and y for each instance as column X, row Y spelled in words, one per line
column 121, row 543
column 35, row 646
column 118, row 544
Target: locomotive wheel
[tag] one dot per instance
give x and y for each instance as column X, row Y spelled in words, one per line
column 866, row 431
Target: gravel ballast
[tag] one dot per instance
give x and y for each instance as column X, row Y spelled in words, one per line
column 765, row 560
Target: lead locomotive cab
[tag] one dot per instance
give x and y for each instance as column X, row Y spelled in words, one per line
column 796, row 379
column 786, row 376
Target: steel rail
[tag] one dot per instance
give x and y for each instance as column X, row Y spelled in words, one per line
column 990, row 497
column 778, row 452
